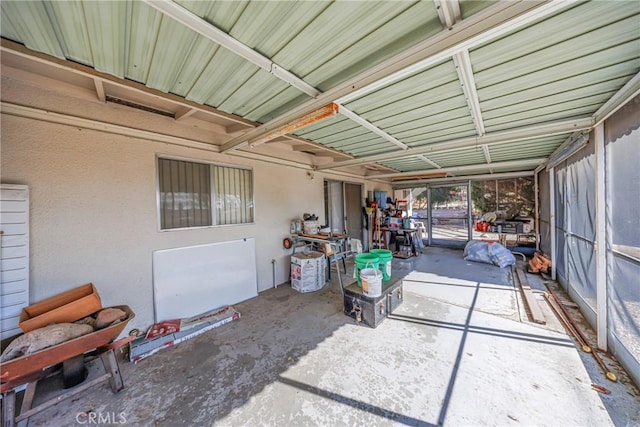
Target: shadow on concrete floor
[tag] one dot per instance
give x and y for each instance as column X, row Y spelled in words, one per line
column 448, row 356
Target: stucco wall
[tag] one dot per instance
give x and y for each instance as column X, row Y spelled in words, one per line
column 93, row 207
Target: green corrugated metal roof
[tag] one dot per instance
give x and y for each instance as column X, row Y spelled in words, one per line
column 462, row 157
column 559, row 68
column 563, row 67
column 471, row 7
column 409, row 164
column 345, row 135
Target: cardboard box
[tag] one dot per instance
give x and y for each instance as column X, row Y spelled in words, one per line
column 62, row 308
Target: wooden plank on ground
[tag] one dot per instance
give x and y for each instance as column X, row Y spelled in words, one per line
column 529, row 297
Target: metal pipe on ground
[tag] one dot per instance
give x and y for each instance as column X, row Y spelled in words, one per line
column 566, row 324
column 610, row 375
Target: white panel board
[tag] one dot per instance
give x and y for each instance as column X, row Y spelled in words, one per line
column 195, row 279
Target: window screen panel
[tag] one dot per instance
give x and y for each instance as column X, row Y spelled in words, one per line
column 233, row 195
column 484, row 197
column 185, row 194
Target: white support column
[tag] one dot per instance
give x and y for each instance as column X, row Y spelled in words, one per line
column 552, row 220
column 469, row 219
column 536, row 192
column 429, row 219
column 600, row 243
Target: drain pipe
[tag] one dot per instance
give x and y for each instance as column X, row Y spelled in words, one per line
column 273, row 268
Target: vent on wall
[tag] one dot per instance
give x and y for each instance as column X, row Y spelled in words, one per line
column 139, row 106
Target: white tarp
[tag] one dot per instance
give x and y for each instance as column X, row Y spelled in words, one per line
column 575, row 222
column 560, row 187
column 581, row 229
column 622, row 152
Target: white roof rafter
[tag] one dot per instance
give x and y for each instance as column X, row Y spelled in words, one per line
column 487, row 154
column 620, row 98
column 429, row 161
column 368, row 125
column 466, row 168
column 502, row 175
column 449, row 13
column 462, row 62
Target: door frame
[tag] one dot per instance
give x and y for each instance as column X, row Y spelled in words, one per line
column 344, row 204
column 466, row 184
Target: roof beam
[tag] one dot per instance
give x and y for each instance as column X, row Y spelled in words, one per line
column 184, row 113
column 482, row 27
column 100, row 126
column 368, row 125
column 503, row 137
column 7, row 46
column 204, row 28
column 238, row 128
column 429, row 161
column 487, row 154
column 102, row 96
column 466, row 168
column 621, row 97
column 504, row 175
column 462, row 62
column 322, row 113
column 311, row 145
column 449, row 13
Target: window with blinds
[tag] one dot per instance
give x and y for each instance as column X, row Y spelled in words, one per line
column 195, row 194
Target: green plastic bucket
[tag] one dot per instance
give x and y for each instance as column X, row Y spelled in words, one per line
column 361, row 263
column 385, row 261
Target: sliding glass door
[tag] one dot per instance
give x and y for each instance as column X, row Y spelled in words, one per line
column 450, row 216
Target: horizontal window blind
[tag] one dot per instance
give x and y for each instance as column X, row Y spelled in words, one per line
column 195, row 194
column 185, row 194
column 234, row 195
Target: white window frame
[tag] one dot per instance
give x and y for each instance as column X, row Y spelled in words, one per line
column 213, row 195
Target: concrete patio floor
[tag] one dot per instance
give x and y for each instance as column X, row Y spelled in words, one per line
column 458, row 351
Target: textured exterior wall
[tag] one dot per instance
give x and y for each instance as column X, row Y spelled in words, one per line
column 93, row 203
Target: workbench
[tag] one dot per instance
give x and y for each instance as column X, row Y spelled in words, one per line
column 335, row 251
column 408, row 233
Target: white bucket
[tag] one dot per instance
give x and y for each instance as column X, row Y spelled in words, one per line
column 371, row 282
column 311, row 227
